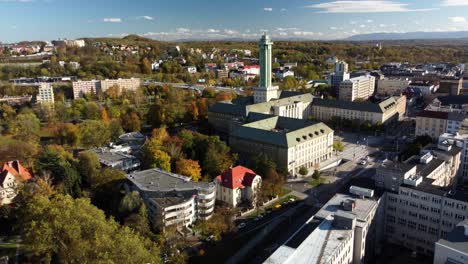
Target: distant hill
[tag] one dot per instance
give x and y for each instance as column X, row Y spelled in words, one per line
column 409, row 35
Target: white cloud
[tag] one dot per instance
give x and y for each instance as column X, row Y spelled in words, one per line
column 365, row 6
column 230, row 31
column 457, row 19
column 183, row 30
column 352, row 22
column 333, row 28
column 370, row 21
column 146, row 17
column 112, row 20
column 212, row 30
column 382, row 25
column 268, row 9
column 304, row 33
column 454, row 3
column 283, row 9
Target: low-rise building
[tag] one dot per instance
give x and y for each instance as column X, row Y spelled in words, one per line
column 291, row 143
column 454, row 247
column 117, row 159
column 12, row 173
column 236, row 185
column 173, row 199
column 362, row 88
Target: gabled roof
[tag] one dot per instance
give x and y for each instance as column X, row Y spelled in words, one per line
column 16, row 169
column 237, row 177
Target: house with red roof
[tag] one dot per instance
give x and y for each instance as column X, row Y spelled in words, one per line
column 11, row 174
column 236, row 185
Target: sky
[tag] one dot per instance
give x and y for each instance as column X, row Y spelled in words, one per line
column 225, row 19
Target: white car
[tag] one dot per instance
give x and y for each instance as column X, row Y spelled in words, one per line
column 242, row 225
column 363, row 162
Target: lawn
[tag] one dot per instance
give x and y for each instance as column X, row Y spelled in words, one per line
column 317, row 182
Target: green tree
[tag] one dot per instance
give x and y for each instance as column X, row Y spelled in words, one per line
column 69, row 230
column 88, row 165
column 338, row 146
column 26, row 127
column 316, row 174
column 303, row 171
column 94, row 133
column 263, row 164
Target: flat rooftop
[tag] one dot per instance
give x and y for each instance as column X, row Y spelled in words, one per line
column 361, row 211
column 109, row 157
column 457, row 239
column 157, row 180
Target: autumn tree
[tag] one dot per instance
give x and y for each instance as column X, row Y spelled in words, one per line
column 94, row 133
column 88, row 165
column 26, row 127
column 145, row 66
column 189, row 168
column 66, row 134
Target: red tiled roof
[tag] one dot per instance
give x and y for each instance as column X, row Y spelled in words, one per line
column 434, row 114
column 237, row 177
column 16, row 169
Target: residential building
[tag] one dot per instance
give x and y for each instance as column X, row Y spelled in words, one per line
column 392, row 86
column 173, row 199
column 281, row 74
column 389, row 110
column 117, row 159
column 291, row 143
column 80, row 88
column 340, row 74
column 192, row 69
column 454, row 247
column 12, row 173
column 237, row 185
column 45, row 94
column 265, row 91
column 222, row 74
column 124, row 84
column 424, row 87
column 362, row 88
column 431, row 123
column 344, row 230
column 455, row 121
column 461, row 141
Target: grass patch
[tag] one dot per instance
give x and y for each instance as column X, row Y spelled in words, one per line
column 317, row 182
column 285, row 191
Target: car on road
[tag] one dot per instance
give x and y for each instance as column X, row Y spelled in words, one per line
column 363, row 162
column 277, row 206
column 259, row 217
column 241, row 225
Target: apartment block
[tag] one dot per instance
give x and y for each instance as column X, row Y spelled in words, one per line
column 461, row 141
column 392, row 86
column 173, row 199
column 45, row 94
column 80, row 88
column 362, row 88
column 124, row 84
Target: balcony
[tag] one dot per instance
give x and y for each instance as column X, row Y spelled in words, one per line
column 206, row 196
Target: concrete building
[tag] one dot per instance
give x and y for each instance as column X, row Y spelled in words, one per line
column 116, row 159
column 124, row 84
column 392, row 86
column 80, row 88
column 45, row 94
column 431, row 123
column 391, row 109
column 291, row 143
column 237, row 185
column 12, row 173
column 341, row 73
column 461, row 141
column 173, row 199
column 454, row 247
column 451, row 85
column 265, row 91
column 362, row 87
column 424, row 87
column 343, row 231
column 421, row 202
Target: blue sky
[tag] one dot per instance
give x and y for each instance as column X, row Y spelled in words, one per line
column 215, row 19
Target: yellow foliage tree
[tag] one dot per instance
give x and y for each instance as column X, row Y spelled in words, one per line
column 190, row 168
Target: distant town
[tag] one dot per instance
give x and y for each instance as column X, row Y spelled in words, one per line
column 233, row 152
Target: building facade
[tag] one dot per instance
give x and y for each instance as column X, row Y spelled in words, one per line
column 392, row 86
column 362, row 87
column 237, row 185
column 45, row 94
column 80, row 88
column 454, row 247
column 124, row 84
column 431, row 123
column 291, row 143
column 173, row 199
column 12, row 174
column 340, row 73
column 460, row 141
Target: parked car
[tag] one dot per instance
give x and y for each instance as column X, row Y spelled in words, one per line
column 241, row 225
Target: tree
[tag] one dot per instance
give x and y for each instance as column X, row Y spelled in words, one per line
column 189, row 168
column 66, row 134
column 146, row 66
column 26, row 127
column 94, row 133
column 88, row 165
column 338, row 146
column 263, row 164
column 303, row 171
column 316, row 175
column 131, row 121
column 104, row 115
column 129, row 203
column 69, row 230
column 138, row 221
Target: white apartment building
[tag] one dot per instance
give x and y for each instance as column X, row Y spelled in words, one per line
column 45, row 94
column 124, row 84
column 392, row 86
column 173, row 199
column 343, row 231
column 361, row 87
column 454, row 247
column 340, row 74
column 460, row 141
column 80, row 88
